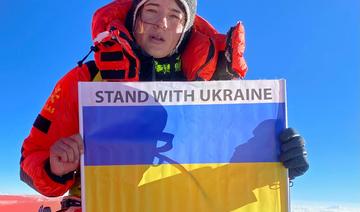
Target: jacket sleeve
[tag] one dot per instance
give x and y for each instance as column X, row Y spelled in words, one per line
column 103, row 17
column 57, row 119
column 231, row 62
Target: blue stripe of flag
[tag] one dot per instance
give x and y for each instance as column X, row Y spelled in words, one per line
column 186, row 134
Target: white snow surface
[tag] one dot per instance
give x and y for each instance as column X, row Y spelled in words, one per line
column 325, row 207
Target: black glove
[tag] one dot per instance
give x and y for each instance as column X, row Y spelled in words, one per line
column 293, row 153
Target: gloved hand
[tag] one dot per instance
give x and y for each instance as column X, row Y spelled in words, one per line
column 231, row 63
column 293, row 153
column 114, row 55
column 234, row 51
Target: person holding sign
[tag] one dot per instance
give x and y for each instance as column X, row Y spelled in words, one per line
column 136, row 40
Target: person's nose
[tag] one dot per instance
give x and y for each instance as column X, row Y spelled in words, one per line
column 163, row 23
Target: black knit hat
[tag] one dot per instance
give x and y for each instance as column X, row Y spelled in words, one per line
column 190, row 10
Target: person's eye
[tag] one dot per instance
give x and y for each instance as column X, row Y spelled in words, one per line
column 175, row 17
column 152, row 11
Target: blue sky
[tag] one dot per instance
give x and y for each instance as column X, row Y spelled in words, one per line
column 313, row 44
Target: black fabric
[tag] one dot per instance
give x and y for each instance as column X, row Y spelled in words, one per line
column 292, row 144
column 45, row 209
column 130, row 40
column 111, row 56
column 42, row 124
column 63, row 179
column 128, row 20
column 147, row 69
column 108, row 43
column 132, row 68
column 93, row 70
column 112, row 74
column 221, row 71
column 229, row 42
column 22, row 157
column 148, row 73
column 68, row 202
column 173, row 75
column 123, row 35
column 293, row 153
column 288, row 134
column 229, row 50
column 211, row 51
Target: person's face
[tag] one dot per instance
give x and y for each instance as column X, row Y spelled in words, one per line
column 159, row 26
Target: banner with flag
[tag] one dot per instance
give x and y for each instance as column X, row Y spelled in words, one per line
column 183, row 146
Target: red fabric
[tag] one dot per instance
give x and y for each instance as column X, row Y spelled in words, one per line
column 220, row 41
column 203, row 26
column 62, row 110
column 105, row 15
column 110, row 65
column 238, row 47
column 120, row 44
column 195, row 61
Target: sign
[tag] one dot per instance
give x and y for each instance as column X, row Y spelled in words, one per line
column 183, row 146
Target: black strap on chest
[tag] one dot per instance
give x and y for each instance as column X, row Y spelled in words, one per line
column 93, row 70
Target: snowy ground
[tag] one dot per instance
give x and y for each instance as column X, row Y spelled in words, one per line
column 23, row 203
column 324, row 207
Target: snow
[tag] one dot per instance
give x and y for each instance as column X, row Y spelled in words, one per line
column 8, row 202
column 325, row 207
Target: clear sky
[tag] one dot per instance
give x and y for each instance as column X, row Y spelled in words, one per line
column 313, row 44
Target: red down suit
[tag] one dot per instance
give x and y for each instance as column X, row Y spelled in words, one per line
column 59, row 116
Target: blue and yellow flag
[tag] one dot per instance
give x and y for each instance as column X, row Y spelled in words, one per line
column 189, row 146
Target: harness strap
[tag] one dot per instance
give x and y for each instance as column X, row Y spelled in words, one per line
column 93, row 71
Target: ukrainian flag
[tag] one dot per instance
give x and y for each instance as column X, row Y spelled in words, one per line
column 182, row 157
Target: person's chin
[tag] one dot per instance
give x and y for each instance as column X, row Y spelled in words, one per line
column 157, row 53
